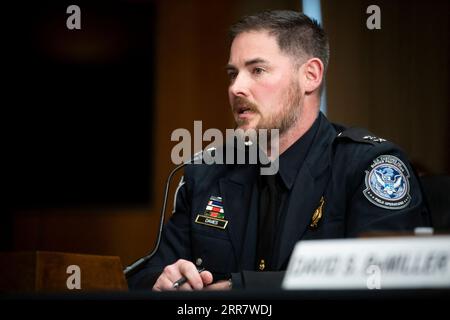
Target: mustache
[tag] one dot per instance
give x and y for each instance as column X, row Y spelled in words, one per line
column 240, row 102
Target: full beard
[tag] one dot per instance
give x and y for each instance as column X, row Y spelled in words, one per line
column 282, row 121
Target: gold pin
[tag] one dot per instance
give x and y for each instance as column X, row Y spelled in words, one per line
column 262, row 265
column 317, row 215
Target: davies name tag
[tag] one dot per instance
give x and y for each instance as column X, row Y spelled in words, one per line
column 382, row 263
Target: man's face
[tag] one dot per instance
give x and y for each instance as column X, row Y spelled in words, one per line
column 264, row 90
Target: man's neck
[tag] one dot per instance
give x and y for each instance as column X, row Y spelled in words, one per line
column 305, row 121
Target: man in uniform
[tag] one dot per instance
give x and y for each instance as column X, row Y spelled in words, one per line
column 333, row 182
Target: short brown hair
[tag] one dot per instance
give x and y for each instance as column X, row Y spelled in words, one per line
column 296, row 33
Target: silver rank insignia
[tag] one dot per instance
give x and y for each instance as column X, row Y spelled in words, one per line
column 387, row 183
column 214, row 215
column 374, row 139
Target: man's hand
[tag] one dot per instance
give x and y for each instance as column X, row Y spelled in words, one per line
column 195, row 280
column 220, row 285
column 182, row 268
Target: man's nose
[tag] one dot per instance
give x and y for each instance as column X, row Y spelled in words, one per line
column 239, row 86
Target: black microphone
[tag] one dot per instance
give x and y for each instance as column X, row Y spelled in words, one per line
column 197, row 158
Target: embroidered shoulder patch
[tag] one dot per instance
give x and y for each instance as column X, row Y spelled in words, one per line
column 387, row 183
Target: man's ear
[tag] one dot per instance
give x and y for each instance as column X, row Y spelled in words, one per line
column 312, row 74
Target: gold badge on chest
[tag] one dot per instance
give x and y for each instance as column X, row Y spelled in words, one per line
column 317, row 215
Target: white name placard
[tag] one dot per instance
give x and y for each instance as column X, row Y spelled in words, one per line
column 374, row 263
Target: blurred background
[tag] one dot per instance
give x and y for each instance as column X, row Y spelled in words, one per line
column 88, row 113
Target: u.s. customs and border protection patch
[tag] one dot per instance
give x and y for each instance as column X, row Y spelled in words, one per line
column 387, row 183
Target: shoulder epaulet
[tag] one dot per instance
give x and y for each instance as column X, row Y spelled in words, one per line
column 359, row 135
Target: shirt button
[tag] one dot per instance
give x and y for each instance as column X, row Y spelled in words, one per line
column 262, row 265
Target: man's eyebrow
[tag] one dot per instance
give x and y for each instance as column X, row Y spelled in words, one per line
column 255, row 61
column 231, row 67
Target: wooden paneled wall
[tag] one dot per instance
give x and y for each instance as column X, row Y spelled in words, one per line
column 393, row 81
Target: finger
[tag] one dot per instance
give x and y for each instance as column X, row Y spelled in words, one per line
column 172, row 272
column 207, row 277
column 220, row 285
column 189, row 270
column 185, row 287
column 163, row 284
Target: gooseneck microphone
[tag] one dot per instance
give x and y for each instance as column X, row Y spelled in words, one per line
column 139, row 264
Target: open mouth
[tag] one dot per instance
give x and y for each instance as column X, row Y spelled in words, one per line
column 243, row 110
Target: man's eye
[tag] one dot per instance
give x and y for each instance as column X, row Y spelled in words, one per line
column 232, row 75
column 258, row 70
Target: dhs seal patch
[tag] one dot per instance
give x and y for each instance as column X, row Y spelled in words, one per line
column 387, row 183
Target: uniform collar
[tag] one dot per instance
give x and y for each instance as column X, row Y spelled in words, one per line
column 293, row 158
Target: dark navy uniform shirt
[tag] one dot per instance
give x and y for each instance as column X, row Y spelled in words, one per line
column 290, row 162
column 357, row 181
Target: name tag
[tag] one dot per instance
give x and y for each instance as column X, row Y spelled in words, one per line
column 211, row 222
column 381, row 263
